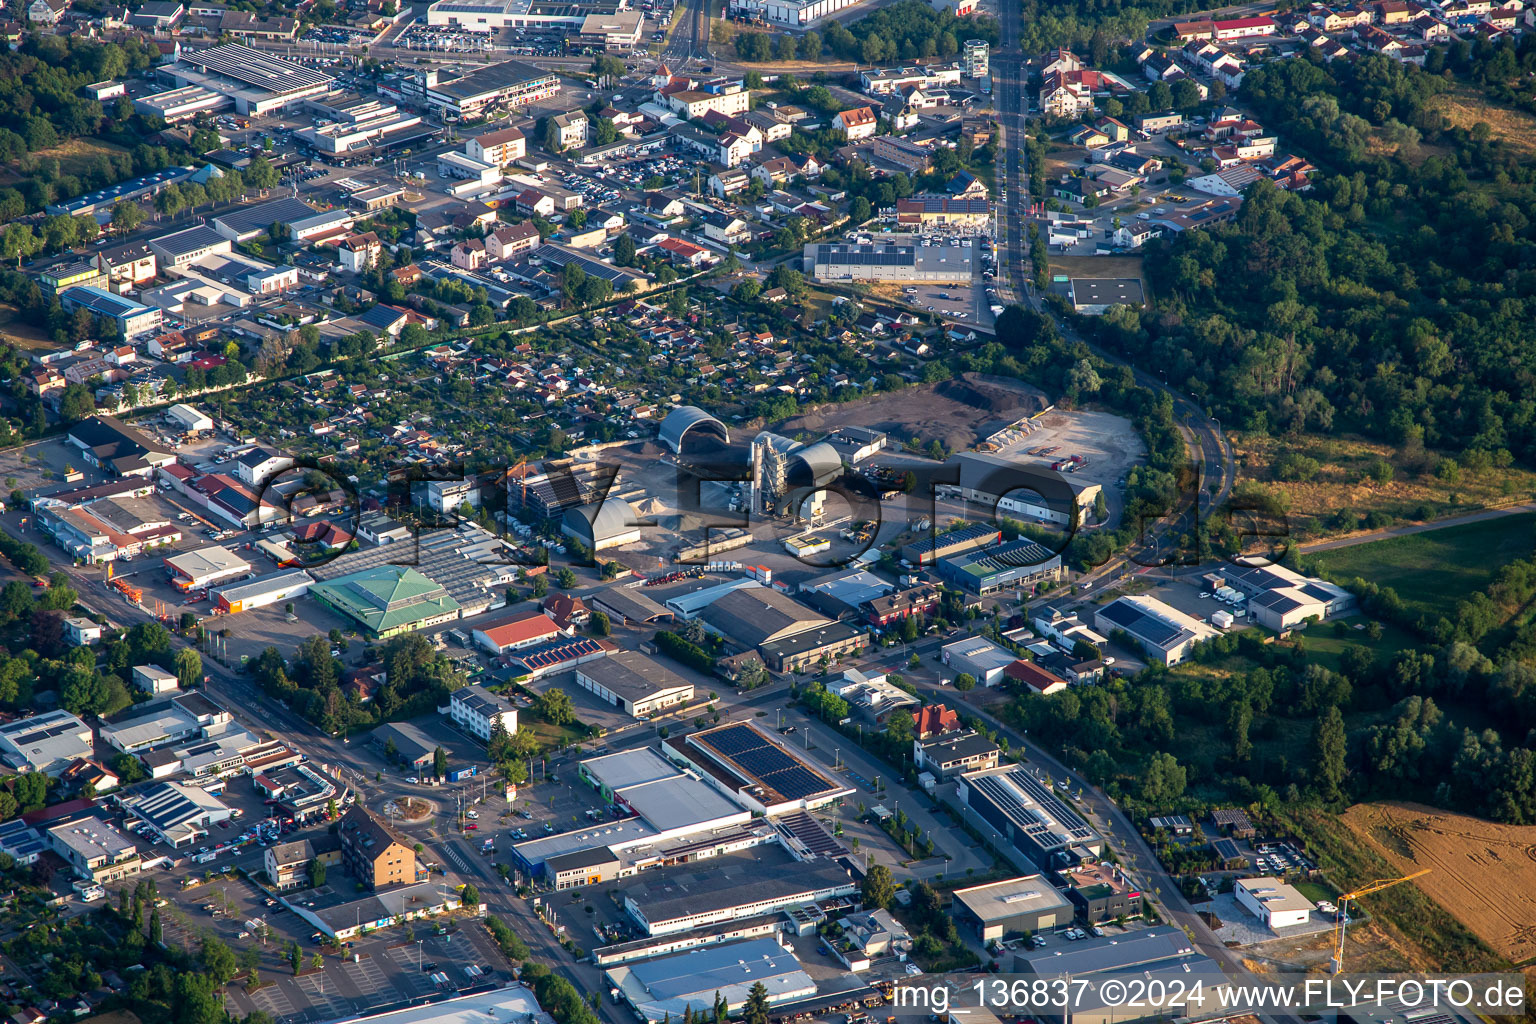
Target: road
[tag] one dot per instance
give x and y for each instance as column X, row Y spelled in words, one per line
column 1409, row 529
column 690, row 37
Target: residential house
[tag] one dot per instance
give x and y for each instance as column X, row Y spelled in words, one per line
column 509, row 241
column 359, row 252
column 573, row 127
column 468, row 254
column 858, row 123
column 372, row 852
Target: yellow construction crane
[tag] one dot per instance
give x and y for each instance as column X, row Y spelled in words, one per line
column 1337, row 966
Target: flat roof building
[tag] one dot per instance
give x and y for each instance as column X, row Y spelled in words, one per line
column 668, row 987
column 977, row 657
column 1021, row 564
column 932, row 546
column 998, row 910
column 512, row 83
column 754, row 770
column 1272, row 901
column 1101, row 892
column 952, row 263
column 954, row 753
column 1040, row 832
column 131, row 318
column 639, row 685
column 95, row 850
column 262, row 591
column 192, row 570
column 178, row 815
column 258, row 82
column 45, row 742
column 478, row 712
column 669, row 901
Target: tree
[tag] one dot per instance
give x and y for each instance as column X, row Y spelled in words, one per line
column 440, row 762
column 565, row 578
column 189, row 668
column 261, row 174
column 624, row 251
column 470, row 897
column 217, row 960
column 878, row 889
column 900, row 727
column 156, row 929
column 756, row 1009
column 551, row 136
column 126, row 216
column 601, row 625
column 76, row 403
column 315, row 871
column 555, row 707
column 965, row 682
column 1329, row 749
column 1163, row 780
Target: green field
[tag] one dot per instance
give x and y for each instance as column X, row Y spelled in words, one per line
column 1327, row 649
column 1433, row 570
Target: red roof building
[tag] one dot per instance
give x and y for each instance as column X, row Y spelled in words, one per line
column 519, row 629
column 933, row 720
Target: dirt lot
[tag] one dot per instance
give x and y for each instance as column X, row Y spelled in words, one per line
column 1482, row 873
column 958, row 412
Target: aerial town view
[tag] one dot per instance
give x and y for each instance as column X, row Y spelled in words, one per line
column 767, row 512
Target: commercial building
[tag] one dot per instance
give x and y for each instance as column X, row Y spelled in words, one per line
column 1039, row 831
column 258, row 82
column 998, row 910
column 619, row 30
column 261, row 592
column 189, row 419
column 95, row 850
column 176, row 105
column 1163, row 957
column 977, row 657
column 127, row 266
column 531, row 663
column 1272, row 901
column 79, row 274
column 153, row 724
column 188, row 246
column 303, row 221
column 497, row 148
column 844, row 591
column 1021, row 564
column 45, row 742
column 205, row 567
column 942, row 214
column 478, row 711
column 670, row 901
column 1281, row 598
column 362, row 128
column 287, row 864
column 155, row 681
column 639, row 685
column 493, row 16
column 951, row 263
column 1094, row 295
column 514, row 631
column 511, row 83
column 931, row 547
column 1101, row 892
column 1022, row 489
column 387, row 600
column 372, row 852
column 466, row 560
column 132, row 319
column 344, row 918
column 954, row 753
column 404, row 743
column 178, row 815
column 694, row 982
column 1164, row 634
column 103, row 200
column 754, row 770
column 789, row 13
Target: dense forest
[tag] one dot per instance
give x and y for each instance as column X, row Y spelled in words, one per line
column 1397, row 298
column 904, row 31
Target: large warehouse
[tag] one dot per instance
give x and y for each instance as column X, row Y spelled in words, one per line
column 754, row 770
column 262, row 591
column 1164, row 633
column 494, row 15
column 688, row 429
column 1018, row 564
column 258, row 82
column 951, row 263
column 634, row 682
column 1154, row 955
column 1281, row 598
column 610, row 523
column 1272, row 901
column 512, row 83
column 1021, row 489
column 668, row 987
column 999, row 909
column 669, row 901
column 387, row 600
column 1040, row 832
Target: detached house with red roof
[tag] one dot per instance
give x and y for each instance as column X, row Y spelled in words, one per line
column 858, row 123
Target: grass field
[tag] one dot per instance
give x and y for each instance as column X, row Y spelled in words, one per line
column 1323, row 647
column 1433, row 570
column 76, row 154
column 1341, row 482
column 23, row 336
column 1464, row 106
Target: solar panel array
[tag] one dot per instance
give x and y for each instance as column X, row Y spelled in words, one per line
column 554, row 654
column 243, row 64
column 1141, row 625
column 764, row 761
column 1037, row 821
column 888, row 256
column 1226, row 849
column 44, row 732
column 810, row 833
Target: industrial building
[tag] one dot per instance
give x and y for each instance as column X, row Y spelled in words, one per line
column 1162, row 954
column 205, row 567
column 387, row 600
column 511, row 83
column 1164, row 634
column 1022, row 489
column 754, row 770
column 1021, row 564
column 942, row 263
column 466, row 560
column 103, row 200
column 46, row 742
column 928, row 549
column 514, row 631
column 258, row 82
column 176, row 105
column 688, row 429
column 153, row 724
column 531, row 663
column 639, row 685
column 177, row 814
column 610, row 523
column 261, row 592
column 117, row 449
column 998, row 910
column 788, row 13
column 188, row 246
column 303, row 221
column 132, row 319
column 1094, row 296
column 1281, row 598
column 1040, row 832
column 1272, row 901
column 693, row 982
column 669, row 901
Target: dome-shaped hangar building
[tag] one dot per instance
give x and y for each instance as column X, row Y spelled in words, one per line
column 610, row 523
column 813, row 465
column 690, row 430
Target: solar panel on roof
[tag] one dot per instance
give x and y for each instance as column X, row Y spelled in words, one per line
column 1137, row 622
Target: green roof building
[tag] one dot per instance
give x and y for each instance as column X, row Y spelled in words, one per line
column 387, row 600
